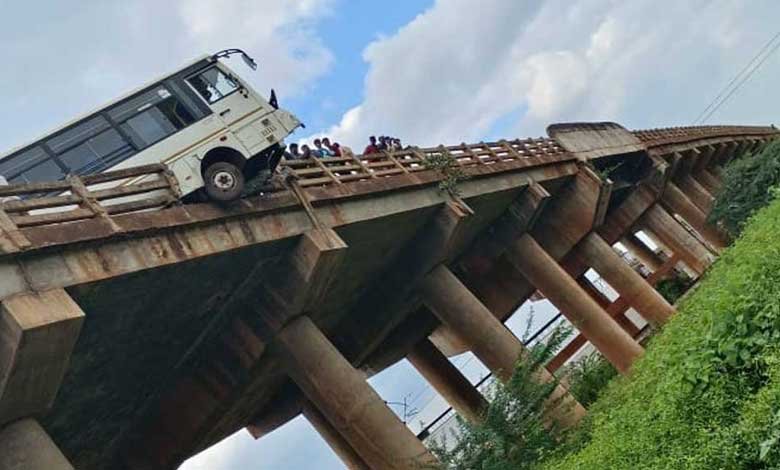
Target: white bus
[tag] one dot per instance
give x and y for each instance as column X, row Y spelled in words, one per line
column 203, row 121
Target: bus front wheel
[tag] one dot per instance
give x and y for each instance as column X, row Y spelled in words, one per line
column 223, row 181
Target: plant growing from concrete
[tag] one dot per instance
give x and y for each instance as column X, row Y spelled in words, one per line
column 449, row 168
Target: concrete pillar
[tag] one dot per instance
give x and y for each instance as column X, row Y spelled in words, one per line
column 672, row 234
column 348, row 402
column 335, row 440
column 642, row 252
column 696, row 193
column 709, row 181
column 489, row 339
column 563, row 291
column 24, row 445
column 37, row 334
column 676, row 201
column 628, row 283
column 448, row 381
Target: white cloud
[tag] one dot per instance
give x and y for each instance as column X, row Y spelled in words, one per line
column 453, row 72
column 69, row 60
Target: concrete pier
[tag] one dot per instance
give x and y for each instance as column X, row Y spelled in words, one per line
column 348, row 402
column 488, row 338
column 673, row 235
column 675, row 200
column 331, row 435
column 564, row 292
column 24, row 445
column 595, row 252
column 448, row 381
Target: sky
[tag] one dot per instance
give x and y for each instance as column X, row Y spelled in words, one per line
column 429, row 72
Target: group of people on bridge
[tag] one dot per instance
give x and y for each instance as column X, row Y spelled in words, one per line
column 324, row 148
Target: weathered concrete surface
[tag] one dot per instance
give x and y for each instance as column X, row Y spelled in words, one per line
column 24, row 445
column 595, row 252
column 37, row 334
column 448, row 381
column 335, row 440
column 341, row 393
column 174, row 352
column 489, row 339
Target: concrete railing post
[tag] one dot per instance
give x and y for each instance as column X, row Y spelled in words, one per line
column 488, row 338
column 24, row 445
column 448, row 381
column 595, row 252
column 348, row 402
column 563, row 291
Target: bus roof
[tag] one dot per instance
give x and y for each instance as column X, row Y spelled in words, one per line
column 204, row 57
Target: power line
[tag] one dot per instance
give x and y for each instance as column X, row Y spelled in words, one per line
column 719, row 100
column 742, row 82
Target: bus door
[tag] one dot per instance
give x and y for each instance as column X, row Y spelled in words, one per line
column 239, row 108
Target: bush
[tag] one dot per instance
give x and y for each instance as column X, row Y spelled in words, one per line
column 674, row 287
column 706, row 394
column 588, row 377
column 513, row 434
column 746, row 188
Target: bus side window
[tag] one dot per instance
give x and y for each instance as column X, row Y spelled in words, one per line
column 213, row 84
column 30, row 166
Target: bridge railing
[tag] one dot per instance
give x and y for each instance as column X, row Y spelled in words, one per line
column 85, row 197
column 340, row 170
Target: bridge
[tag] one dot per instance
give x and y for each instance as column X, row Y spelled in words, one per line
column 136, row 333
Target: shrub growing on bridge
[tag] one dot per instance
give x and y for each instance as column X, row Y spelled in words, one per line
column 746, row 188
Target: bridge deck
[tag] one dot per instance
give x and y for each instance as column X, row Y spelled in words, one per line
column 175, row 352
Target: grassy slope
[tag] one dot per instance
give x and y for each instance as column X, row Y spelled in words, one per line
column 706, row 394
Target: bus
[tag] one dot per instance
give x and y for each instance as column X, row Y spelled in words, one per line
column 211, row 129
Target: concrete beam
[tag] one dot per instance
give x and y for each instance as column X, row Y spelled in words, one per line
column 37, row 334
column 392, row 296
column 24, row 445
column 333, row 438
column 348, row 402
column 669, row 232
column 597, row 253
column 562, row 290
column 448, row 381
column 489, row 339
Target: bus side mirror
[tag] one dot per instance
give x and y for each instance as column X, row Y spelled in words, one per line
column 272, row 100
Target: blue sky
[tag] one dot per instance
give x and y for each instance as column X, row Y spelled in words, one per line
column 430, row 72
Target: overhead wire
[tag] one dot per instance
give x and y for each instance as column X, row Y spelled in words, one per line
column 739, row 79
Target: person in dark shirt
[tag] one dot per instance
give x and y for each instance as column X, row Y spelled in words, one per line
column 371, row 147
column 292, row 152
column 306, row 152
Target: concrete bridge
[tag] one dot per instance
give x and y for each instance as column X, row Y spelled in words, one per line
column 136, row 334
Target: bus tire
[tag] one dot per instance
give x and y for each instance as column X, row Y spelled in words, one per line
column 223, row 182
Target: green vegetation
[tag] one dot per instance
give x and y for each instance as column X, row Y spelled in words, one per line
column 449, row 168
column 706, row 395
column 674, row 287
column 588, row 377
column 747, row 184
column 512, row 435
